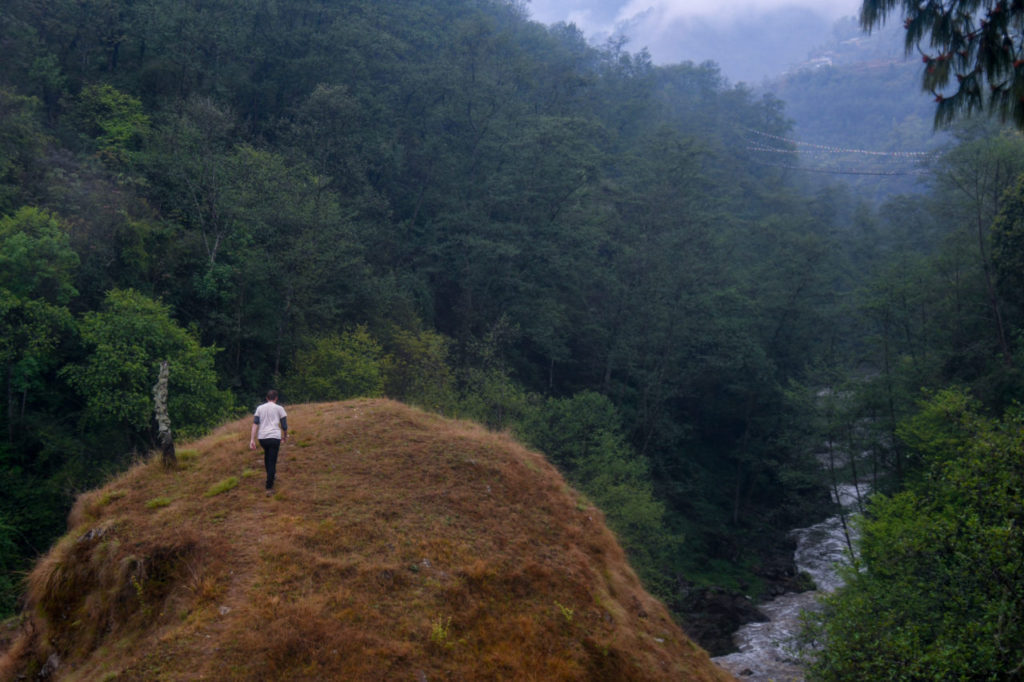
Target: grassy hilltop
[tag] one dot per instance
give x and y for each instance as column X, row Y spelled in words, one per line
column 399, row 545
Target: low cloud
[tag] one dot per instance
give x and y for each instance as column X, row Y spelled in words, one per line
column 749, row 39
column 725, row 11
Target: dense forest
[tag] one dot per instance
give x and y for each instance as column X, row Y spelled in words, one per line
column 446, row 203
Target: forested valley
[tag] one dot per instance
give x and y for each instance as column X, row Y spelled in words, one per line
column 445, row 203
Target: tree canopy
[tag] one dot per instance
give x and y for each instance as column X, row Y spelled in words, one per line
column 128, row 339
column 938, row 590
column 439, row 200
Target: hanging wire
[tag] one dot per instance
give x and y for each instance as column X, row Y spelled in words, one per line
column 763, row 144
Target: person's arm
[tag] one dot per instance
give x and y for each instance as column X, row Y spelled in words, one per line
column 252, row 434
column 284, row 428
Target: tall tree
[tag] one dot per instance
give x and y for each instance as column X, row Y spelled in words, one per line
column 36, row 272
column 1008, row 248
column 128, row 339
column 972, row 179
column 22, row 141
column 937, row 592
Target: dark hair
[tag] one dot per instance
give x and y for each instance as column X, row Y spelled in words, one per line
column 271, row 394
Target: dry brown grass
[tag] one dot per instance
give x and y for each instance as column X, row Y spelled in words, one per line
column 399, row 545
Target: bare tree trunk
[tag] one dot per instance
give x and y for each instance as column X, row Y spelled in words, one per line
column 282, row 320
column 835, row 493
column 831, row 417
column 993, row 296
column 163, row 421
column 10, row 402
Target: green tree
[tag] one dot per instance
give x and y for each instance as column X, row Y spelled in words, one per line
column 37, row 270
column 418, row 370
column 972, row 179
column 9, row 559
column 1008, row 248
column 113, row 119
column 979, row 44
column 188, row 162
column 36, row 260
column 487, row 391
column 127, row 340
column 938, row 589
column 337, row 367
column 22, row 140
column 286, row 215
column 37, row 267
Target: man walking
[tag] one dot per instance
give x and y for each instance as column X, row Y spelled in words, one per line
column 270, row 427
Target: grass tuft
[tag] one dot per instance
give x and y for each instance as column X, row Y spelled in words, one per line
column 158, row 502
column 110, row 496
column 440, row 633
column 222, row 486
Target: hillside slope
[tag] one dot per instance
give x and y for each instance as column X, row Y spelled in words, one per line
column 399, row 545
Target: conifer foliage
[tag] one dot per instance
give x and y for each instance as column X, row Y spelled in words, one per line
column 975, row 47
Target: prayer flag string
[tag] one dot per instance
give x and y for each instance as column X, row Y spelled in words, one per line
column 837, row 150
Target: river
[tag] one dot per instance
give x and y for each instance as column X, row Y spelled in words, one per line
column 766, row 650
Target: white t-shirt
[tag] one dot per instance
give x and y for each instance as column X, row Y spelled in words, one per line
column 269, row 417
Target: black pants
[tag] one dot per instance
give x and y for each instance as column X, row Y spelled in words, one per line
column 270, row 447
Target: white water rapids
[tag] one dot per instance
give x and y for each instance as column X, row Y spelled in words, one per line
column 767, row 650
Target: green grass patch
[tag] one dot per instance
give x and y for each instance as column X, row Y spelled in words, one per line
column 248, row 473
column 440, row 633
column 111, row 496
column 222, row 486
column 186, row 458
column 158, row 502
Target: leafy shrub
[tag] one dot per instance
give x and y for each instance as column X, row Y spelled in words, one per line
column 938, row 592
column 128, row 339
column 337, row 367
column 115, row 120
column 417, row 370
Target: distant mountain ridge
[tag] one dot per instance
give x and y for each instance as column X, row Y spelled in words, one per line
column 400, row 545
column 860, row 114
column 849, row 44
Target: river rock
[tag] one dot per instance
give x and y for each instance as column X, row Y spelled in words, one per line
column 711, row 615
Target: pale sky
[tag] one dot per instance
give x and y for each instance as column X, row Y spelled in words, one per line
column 750, row 39
column 603, row 14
